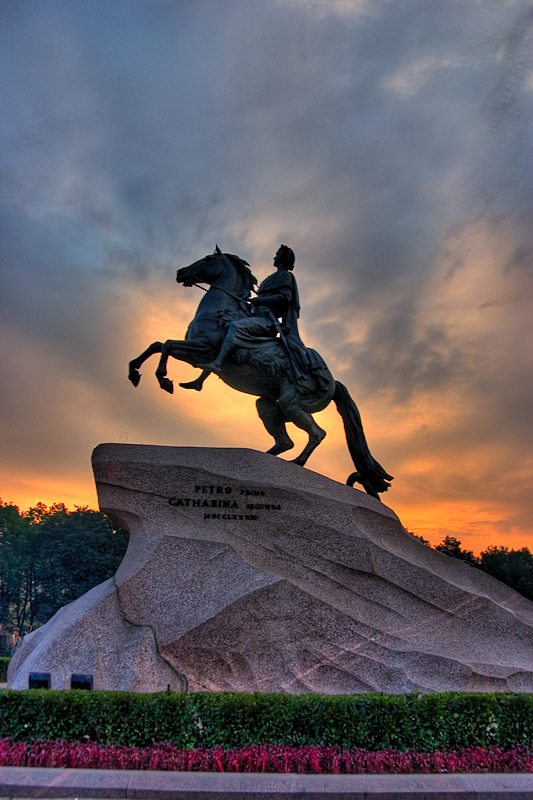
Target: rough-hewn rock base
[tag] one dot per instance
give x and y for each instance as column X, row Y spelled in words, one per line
column 246, row 572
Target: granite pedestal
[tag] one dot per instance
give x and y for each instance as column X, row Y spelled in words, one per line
column 245, row 572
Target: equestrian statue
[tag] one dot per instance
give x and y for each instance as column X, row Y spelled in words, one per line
column 254, row 346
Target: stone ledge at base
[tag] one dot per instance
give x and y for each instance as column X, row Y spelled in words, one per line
column 89, row 783
column 245, row 572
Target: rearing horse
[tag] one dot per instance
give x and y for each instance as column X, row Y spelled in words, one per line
column 263, row 371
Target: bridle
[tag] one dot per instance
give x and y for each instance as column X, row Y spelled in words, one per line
column 222, row 289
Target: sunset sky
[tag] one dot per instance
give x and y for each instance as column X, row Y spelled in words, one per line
column 388, row 142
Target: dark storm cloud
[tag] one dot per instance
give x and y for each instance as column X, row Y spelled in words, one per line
column 386, row 142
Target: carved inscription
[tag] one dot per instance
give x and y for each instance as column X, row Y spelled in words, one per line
column 226, row 502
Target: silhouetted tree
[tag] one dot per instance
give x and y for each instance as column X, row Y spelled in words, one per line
column 76, row 550
column 452, row 547
column 16, row 561
column 513, row 567
column 51, row 556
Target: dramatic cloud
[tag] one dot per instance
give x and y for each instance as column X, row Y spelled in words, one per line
column 387, row 143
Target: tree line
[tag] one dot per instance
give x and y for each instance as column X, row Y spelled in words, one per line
column 49, row 556
column 513, row 567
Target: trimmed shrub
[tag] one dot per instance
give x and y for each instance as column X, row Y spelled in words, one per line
column 423, row 723
column 4, row 664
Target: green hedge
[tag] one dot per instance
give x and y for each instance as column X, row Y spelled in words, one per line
column 207, row 719
column 4, row 664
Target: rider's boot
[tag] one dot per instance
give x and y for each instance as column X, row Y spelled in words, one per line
column 218, row 363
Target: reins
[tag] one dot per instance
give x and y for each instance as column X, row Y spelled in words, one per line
column 222, row 289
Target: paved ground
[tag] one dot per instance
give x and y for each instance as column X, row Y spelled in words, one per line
column 57, row 784
column 17, row 782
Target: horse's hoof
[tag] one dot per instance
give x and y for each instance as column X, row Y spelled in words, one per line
column 134, row 376
column 280, row 448
column 196, row 385
column 166, row 384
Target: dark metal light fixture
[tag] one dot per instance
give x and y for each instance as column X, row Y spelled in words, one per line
column 39, row 680
column 81, row 681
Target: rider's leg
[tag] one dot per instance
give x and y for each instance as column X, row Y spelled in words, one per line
column 274, row 422
column 244, row 332
column 226, row 348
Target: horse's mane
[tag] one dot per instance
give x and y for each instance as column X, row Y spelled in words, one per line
column 249, row 279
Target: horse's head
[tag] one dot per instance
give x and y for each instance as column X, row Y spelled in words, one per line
column 206, row 270
column 219, row 267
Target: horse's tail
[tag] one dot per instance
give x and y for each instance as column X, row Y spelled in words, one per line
column 369, row 473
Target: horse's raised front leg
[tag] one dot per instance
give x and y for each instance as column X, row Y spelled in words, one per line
column 161, row 371
column 133, row 368
column 198, row 383
column 190, row 351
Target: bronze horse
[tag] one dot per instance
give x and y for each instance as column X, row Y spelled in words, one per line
column 263, row 371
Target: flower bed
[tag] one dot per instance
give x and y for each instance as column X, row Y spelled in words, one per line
column 261, row 758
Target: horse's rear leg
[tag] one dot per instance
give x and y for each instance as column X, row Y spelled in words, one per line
column 274, row 421
column 303, row 420
column 133, row 368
